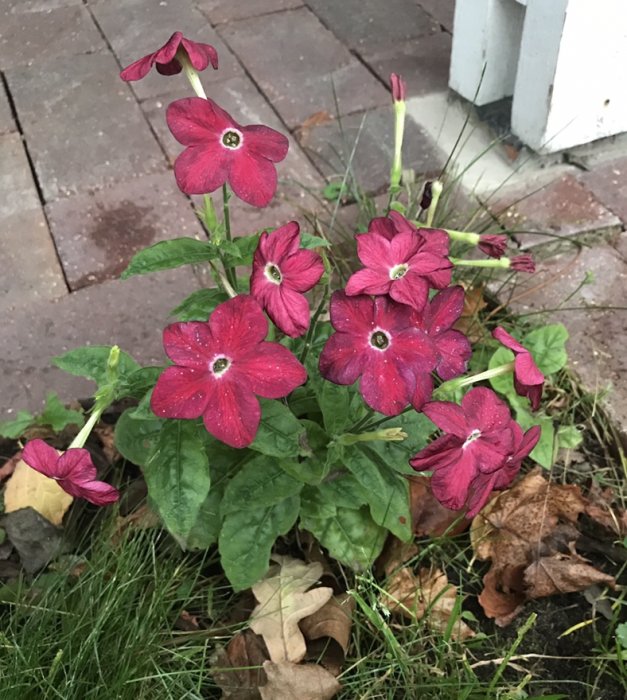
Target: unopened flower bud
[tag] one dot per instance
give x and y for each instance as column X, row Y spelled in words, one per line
column 398, row 88
column 523, row 263
column 491, row 245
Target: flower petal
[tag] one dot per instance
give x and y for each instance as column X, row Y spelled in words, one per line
column 451, row 484
column 481, row 488
column 181, row 392
column 375, row 252
column 238, row 324
column 195, row 121
column 264, row 142
column 507, row 340
column 233, row 412
column 341, row 362
column 202, row 169
column 368, row 281
column 455, row 351
column 385, row 385
column 445, row 309
column 200, row 55
column 189, row 344
column 138, row 69
column 275, row 246
column 382, row 226
column 302, row 271
column 438, row 454
column 352, row 314
column 485, row 411
column 401, row 224
column 97, row 492
column 412, row 290
column 526, row 370
column 271, row 371
column 289, row 310
column 449, row 417
column 42, row 457
column 167, row 52
column 436, row 241
column 423, row 391
column 76, row 466
column 253, row 179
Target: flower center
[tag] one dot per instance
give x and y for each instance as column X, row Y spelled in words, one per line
column 219, row 366
column 380, row 340
column 472, row 437
column 231, row 139
column 398, row 271
column 273, row 273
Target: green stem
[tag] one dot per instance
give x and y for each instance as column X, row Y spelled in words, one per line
column 436, row 191
column 312, row 328
column 82, row 436
column 226, row 285
column 454, row 384
column 464, row 236
column 226, row 196
column 397, row 162
column 190, row 73
column 501, row 263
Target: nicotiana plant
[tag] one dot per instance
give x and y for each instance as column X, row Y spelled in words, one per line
column 270, row 416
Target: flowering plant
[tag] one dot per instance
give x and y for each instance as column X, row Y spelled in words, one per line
column 270, row 415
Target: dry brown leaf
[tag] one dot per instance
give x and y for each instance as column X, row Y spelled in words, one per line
column 106, row 435
column 28, row 488
column 141, row 519
column 328, row 632
column 500, row 605
column 238, row 668
column 602, row 510
column 9, row 466
column 473, row 304
column 428, row 593
column 429, row 517
column 316, row 119
column 283, row 601
column 394, row 555
column 287, row 681
column 562, row 573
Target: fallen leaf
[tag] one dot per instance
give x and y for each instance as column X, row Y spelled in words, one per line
column 141, row 519
column 562, row 573
column 474, row 302
column 186, row 622
column 283, row 601
column 9, row 466
column 602, row 510
column 498, row 604
column 238, row 668
column 28, row 488
column 36, row 540
column 331, row 628
column 429, row 517
column 316, row 119
column 287, row 681
column 106, row 435
column 426, row 594
column 394, row 555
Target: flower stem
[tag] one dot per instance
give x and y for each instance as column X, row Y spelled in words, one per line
column 463, row 236
column 436, row 191
column 397, row 162
column 312, row 327
column 460, row 382
column 190, row 73
column 226, row 285
column 501, row 263
column 81, row 437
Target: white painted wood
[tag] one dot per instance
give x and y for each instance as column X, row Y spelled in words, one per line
column 570, row 84
column 487, row 33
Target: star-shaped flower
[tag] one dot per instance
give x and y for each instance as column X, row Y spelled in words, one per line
column 281, row 273
column 528, row 379
column 220, row 150
column 220, row 367
column 199, row 55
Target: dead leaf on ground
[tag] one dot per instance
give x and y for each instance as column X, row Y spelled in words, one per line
column 141, row 519
column 429, row 517
column 474, row 303
column 287, row 681
column 316, row 119
column 238, row 668
column 283, row 601
column 394, row 555
column 427, row 593
column 186, row 622
column 562, row 573
column 502, row 606
column 330, row 630
column 106, row 435
column 28, row 488
column 9, row 466
column 602, row 510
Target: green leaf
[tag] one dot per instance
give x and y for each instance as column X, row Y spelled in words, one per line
column 504, row 383
column 569, row 436
column 419, row 430
column 260, row 483
column 247, row 537
column 137, row 383
column 280, row 433
column 544, row 452
column 309, row 241
column 177, row 477
column 57, row 416
column 168, row 254
column 242, row 249
column 12, row 429
column 91, row 361
column 343, row 491
column 333, row 191
column 547, row 345
column 315, row 468
column 143, row 410
column 199, row 305
column 388, row 492
column 621, row 634
column 136, row 439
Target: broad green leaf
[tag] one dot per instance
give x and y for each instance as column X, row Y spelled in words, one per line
column 309, row 241
column 569, row 436
column 504, row 383
column 143, row 410
column 343, row 491
column 91, row 361
column 543, row 453
column 136, row 439
column 333, row 190
column 388, row 492
column 314, row 469
column 260, row 483
column 335, row 404
column 168, row 254
column 621, row 634
column 247, row 537
column 137, row 383
column 280, row 433
column 242, row 250
column 57, row 416
column 177, row 477
column 548, row 347
column 12, row 429
column 199, row 305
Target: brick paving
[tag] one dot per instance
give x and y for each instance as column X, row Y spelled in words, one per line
column 85, row 162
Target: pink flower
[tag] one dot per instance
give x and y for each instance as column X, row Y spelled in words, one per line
column 528, row 379
column 437, row 319
column 400, row 261
column 377, row 341
column 220, row 367
column 492, row 245
column 200, row 56
column 219, row 150
column 398, row 88
column 281, row 273
column 523, row 263
column 72, row 470
column 482, row 449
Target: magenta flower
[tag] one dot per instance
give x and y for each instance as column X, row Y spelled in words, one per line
column 437, row 319
column 480, row 440
column 376, row 340
column 398, row 88
column 220, row 367
column 528, row 379
column 73, row 470
column 199, row 55
column 523, row 263
column 399, row 261
column 492, row 245
column 220, row 150
column 281, row 273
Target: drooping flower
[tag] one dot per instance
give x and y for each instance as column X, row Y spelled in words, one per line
column 281, row 273
column 199, row 55
column 399, row 261
column 492, row 245
column 481, row 448
column 528, row 379
column 376, row 340
column 220, row 150
column 437, row 319
column 220, row 367
column 398, row 88
column 73, row 470
column 523, row 263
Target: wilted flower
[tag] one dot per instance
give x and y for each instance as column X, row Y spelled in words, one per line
column 523, row 263
column 492, row 245
column 281, row 273
column 528, row 379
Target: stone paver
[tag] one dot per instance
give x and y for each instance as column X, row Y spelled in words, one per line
column 96, row 234
column 31, row 269
column 131, row 313
column 219, row 11
column 139, row 27
column 608, row 183
column 84, row 131
column 563, row 208
column 296, row 62
column 7, row 123
column 442, row 11
column 331, row 147
column 29, row 38
column 596, row 346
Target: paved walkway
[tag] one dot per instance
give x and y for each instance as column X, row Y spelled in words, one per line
column 85, row 159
